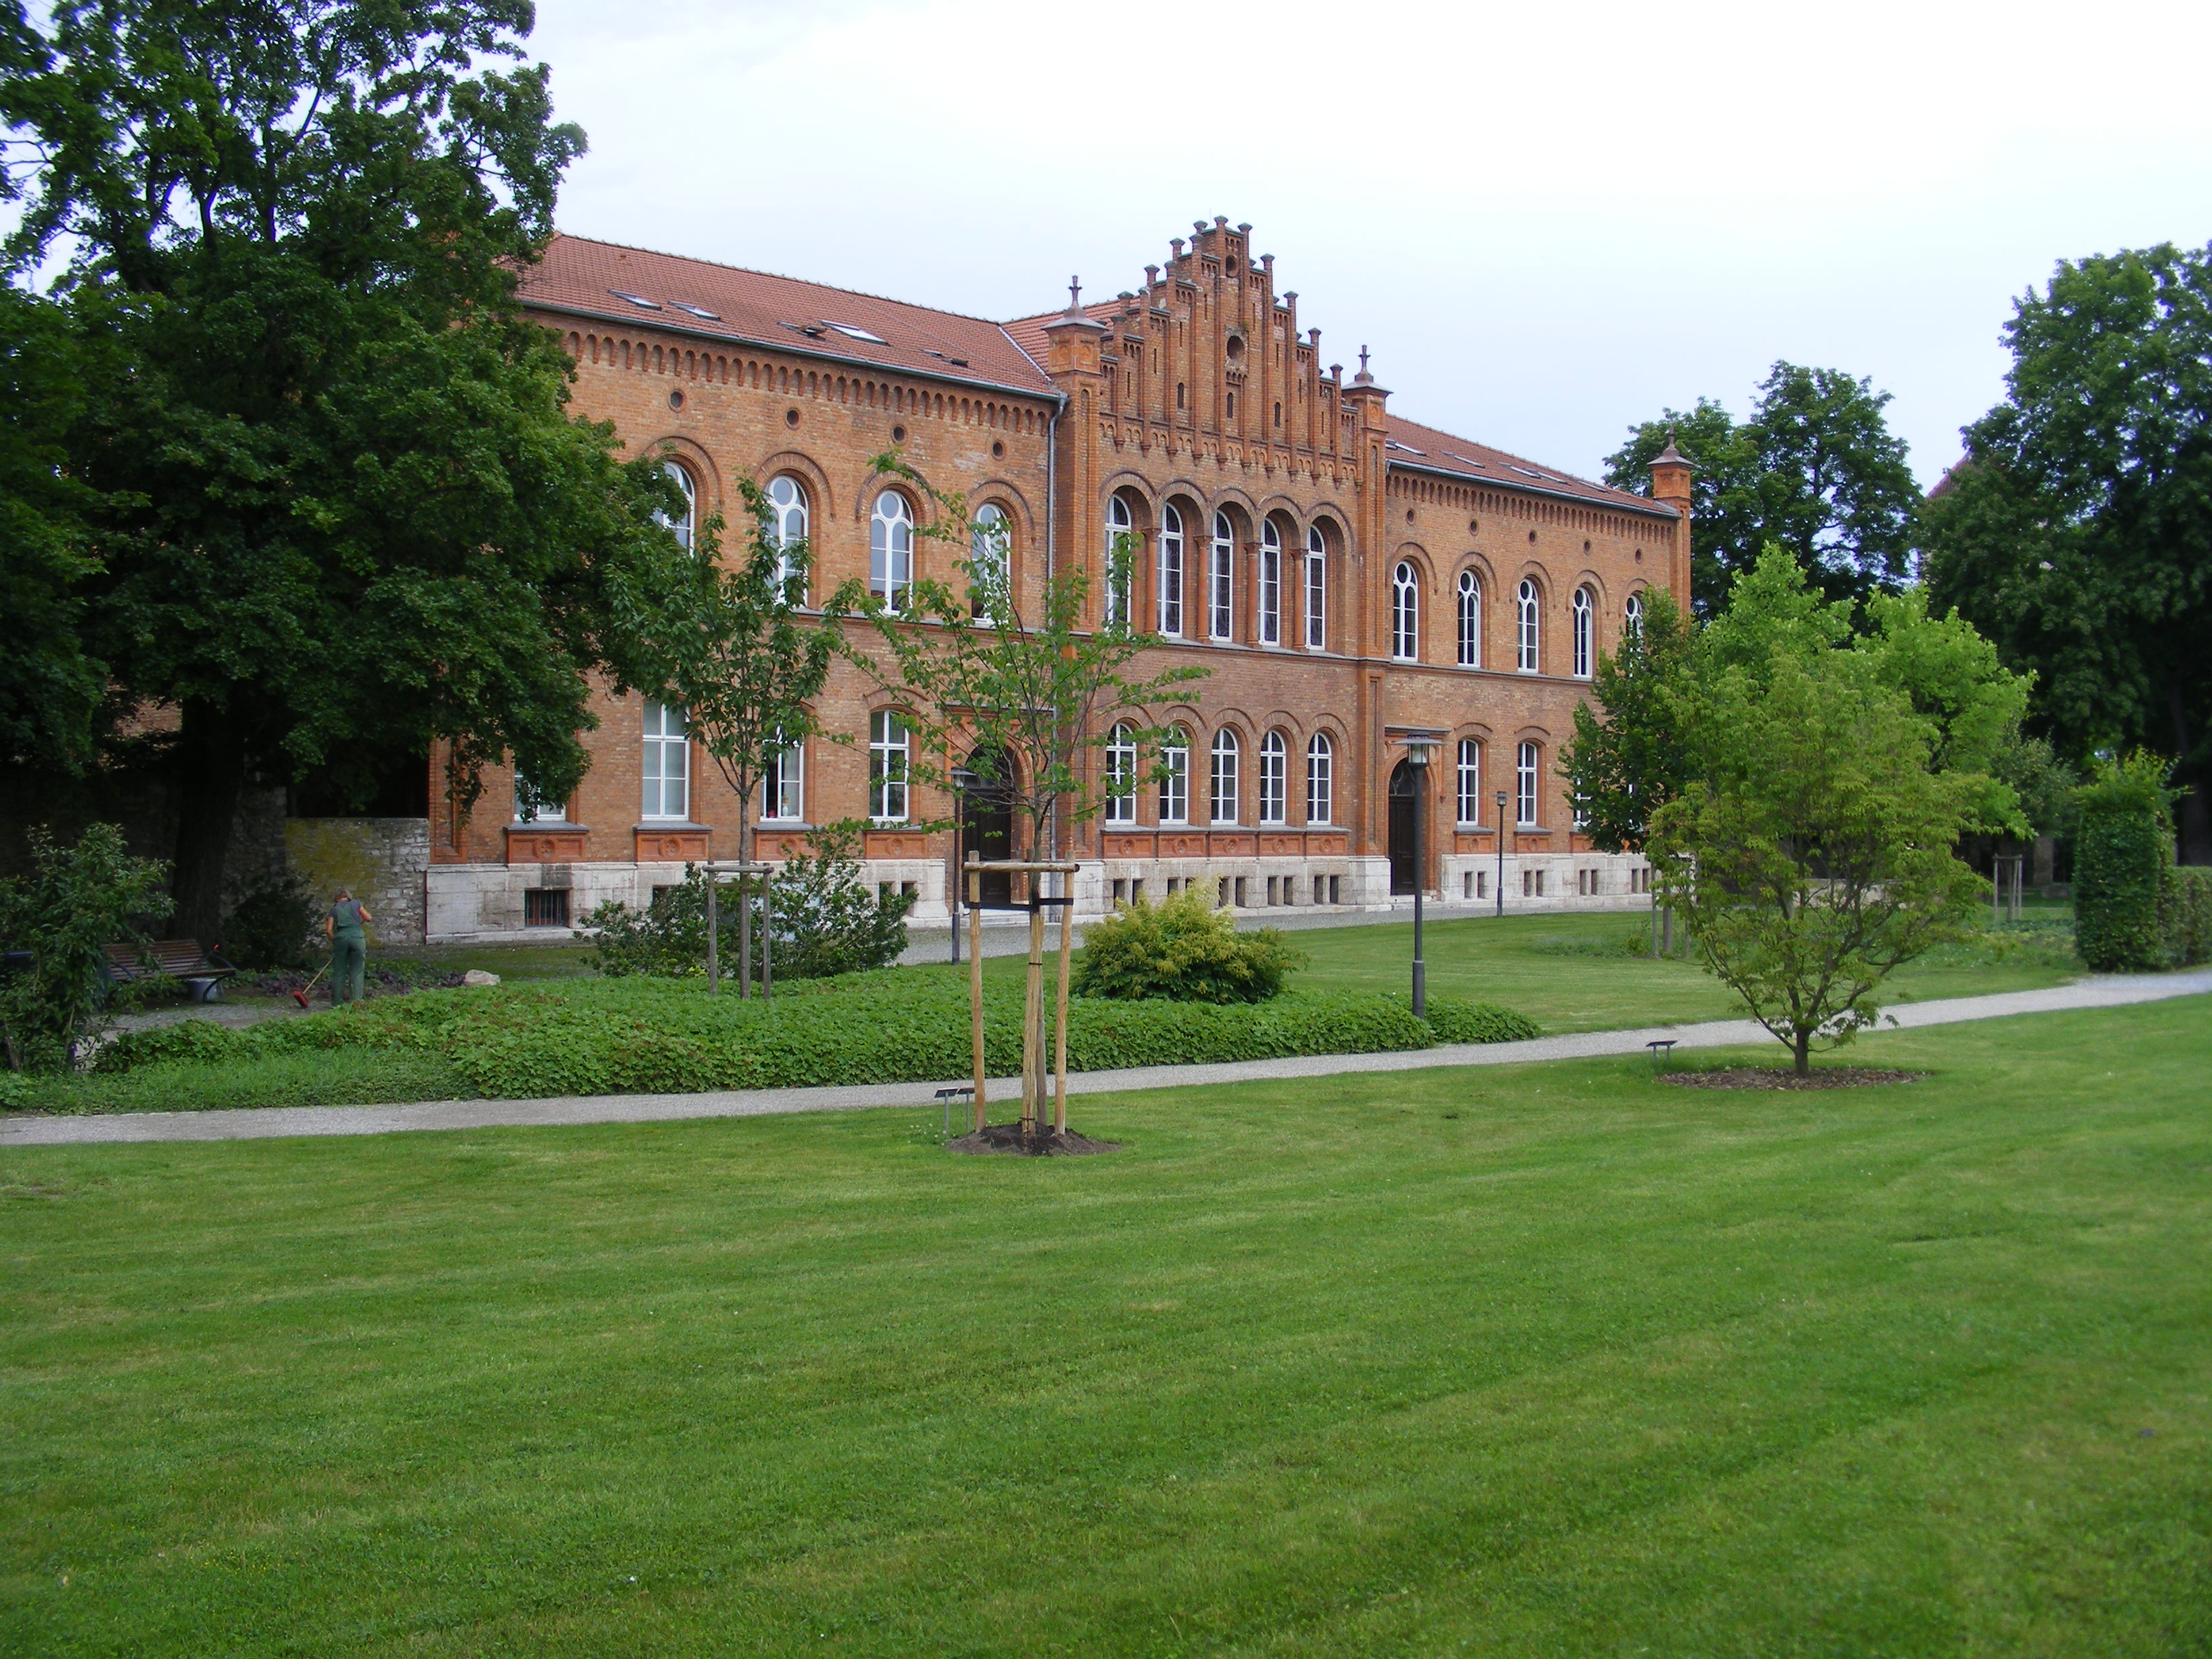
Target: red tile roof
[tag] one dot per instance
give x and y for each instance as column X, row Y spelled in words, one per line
column 1027, row 333
column 1407, row 444
column 579, row 277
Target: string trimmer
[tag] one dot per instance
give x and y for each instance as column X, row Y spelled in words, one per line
column 300, row 996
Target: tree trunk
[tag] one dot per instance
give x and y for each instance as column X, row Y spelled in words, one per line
column 212, row 774
column 1804, row 1054
column 2195, row 809
column 745, row 897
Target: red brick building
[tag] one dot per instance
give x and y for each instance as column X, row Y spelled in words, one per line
column 1347, row 575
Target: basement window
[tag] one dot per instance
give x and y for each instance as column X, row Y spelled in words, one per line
column 545, row 906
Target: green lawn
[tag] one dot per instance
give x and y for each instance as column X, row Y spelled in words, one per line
column 1542, row 1360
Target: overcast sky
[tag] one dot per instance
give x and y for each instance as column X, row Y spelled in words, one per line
column 1548, row 222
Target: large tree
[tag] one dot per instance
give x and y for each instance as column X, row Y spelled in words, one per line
column 2077, row 533
column 344, row 512
column 1815, row 469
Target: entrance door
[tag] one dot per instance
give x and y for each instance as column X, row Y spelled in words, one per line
column 1403, row 804
column 987, row 825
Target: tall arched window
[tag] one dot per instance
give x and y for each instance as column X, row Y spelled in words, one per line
column 1632, row 615
column 786, row 527
column 1170, row 571
column 783, row 797
column 1220, row 578
column 683, row 522
column 1470, row 781
column 1175, row 777
column 890, row 548
column 1470, row 620
column 1529, row 615
column 990, row 539
column 1316, row 591
column 1120, row 776
column 1271, row 583
column 667, row 762
column 1585, row 625
column 1222, row 790
column 1121, row 561
column 890, row 748
column 1320, row 781
column 1405, row 612
column 1526, row 777
column 1274, row 778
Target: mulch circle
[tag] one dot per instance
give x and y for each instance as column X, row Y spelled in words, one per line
column 1046, row 1143
column 1768, row 1077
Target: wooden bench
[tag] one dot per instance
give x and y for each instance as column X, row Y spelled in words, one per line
column 170, row 958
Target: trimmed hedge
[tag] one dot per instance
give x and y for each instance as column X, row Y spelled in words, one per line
column 2124, row 845
column 2184, row 913
column 898, row 1026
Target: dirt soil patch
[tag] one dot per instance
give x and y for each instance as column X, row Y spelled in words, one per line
column 1769, row 1077
column 1046, row 1143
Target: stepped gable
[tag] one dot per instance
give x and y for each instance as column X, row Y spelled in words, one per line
column 1407, row 443
column 585, row 278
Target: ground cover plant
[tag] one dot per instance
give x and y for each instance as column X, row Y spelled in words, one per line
column 1529, row 1361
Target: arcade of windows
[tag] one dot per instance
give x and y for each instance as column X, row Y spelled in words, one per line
column 1223, row 800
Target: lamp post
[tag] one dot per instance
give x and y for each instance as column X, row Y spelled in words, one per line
column 1419, row 749
column 1501, row 855
column 963, row 779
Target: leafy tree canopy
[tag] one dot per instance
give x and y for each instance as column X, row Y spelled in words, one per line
column 2077, row 533
column 1628, row 757
column 1815, row 469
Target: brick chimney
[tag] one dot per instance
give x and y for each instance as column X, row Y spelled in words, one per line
column 1670, row 482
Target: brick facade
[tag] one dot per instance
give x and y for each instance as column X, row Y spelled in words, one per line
column 1195, row 401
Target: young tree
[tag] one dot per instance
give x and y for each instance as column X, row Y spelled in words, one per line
column 746, row 664
column 981, row 675
column 1815, row 469
column 1629, row 756
column 343, row 512
column 2077, row 534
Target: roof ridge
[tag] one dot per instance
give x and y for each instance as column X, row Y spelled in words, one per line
column 1543, row 470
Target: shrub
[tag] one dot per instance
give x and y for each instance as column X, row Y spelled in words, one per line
column 1183, row 950
column 2123, row 845
column 197, row 1042
column 668, row 937
column 2184, row 913
column 1454, row 1021
column 272, row 926
column 55, row 923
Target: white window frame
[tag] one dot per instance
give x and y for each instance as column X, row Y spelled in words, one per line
column 1321, row 779
column 683, row 527
column 1169, row 608
column 1405, row 613
column 1631, row 616
column 667, row 742
column 1223, row 780
column 1120, row 531
column 1221, row 581
column 788, row 520
column 990, row 549
column 1531, row 627
column 783, row 787
column 543, row 812
column 1175, row 777
column 890, row 753
column 1584, row 611
column 1469, row 780
column 1120, row 773
column 1271, row 583
column 1274, row 778
column 890, row 548
column 1470, row 620
column 1317, row 590
column 1528, row 779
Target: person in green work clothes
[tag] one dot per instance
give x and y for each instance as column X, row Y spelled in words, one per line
column 349, row 946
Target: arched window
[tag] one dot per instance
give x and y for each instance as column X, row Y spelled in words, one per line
column 683, row 522
column 1405, row 612
column 1170, row 571
column 1220, row 572
column 667, row 763
column 1120, row 776
column 1526, row 777
column 890, row 748
column 1121, row 561
column 1274, row 778
column 1271, row 583
column 890, row 550
column 1316, row 591
column 783, row 787
column 1175, row 777
column 1222, row 784
column 1321, row 783
column 1632, row 615
column 990, row 537
column 1470, row 781
column 787, row 528
column 1470, row 620
column 1529, row 614
column 1585, row 625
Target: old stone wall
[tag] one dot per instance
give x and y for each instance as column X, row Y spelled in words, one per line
column 380, row 861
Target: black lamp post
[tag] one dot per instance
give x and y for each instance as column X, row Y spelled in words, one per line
column 1501, row 855
column 963, row 779
column 1419, row 752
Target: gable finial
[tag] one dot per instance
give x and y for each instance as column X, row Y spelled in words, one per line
column 1363, row 377
column 1074, row 295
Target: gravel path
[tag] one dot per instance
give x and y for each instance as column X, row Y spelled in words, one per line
column 2103, row 993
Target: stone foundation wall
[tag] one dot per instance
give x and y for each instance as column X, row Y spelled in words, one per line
column 380, row 861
